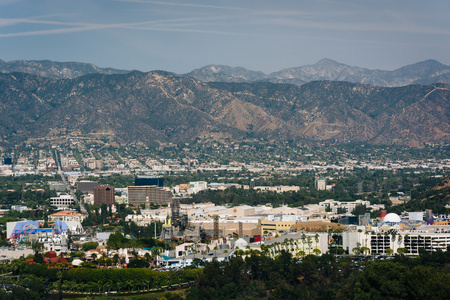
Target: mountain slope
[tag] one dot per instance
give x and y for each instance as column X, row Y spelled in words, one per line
column 437, row 199
column 161, row 106
column 225, row 74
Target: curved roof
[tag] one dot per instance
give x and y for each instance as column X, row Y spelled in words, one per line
column 76, row 262
column 392, row 218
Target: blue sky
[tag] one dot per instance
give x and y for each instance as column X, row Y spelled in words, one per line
column 268, row 36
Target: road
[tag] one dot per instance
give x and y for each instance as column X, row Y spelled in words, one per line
column 66, row 183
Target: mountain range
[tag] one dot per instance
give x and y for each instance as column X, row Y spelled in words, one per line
column 53, row 69
column 429, row 71
column 425, row 72
column 160, row 106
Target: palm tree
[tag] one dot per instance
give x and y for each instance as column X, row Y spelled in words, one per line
column 264, row 249
column 364, row 250
column 94, row 256
column 37, row 246
column 147, row 257
column 116, row 258
column 303, row 241
column 104, row 257
column 316, row 238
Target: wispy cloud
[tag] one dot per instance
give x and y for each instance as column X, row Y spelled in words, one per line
column 249, row 20
column 346, row 4
column 173, row 25
column 183, row 4
column 387, row 27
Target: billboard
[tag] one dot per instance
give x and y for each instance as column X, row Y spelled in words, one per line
column 15, row 229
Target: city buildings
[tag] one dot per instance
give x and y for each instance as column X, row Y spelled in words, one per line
column 71, row 215
column 149, row 180
column 86, row 186
column 62, row 201
column 148, row 194
column 320, row 184
column 104, row 194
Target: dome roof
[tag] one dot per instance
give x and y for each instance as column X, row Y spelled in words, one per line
column 76, row 262
column 392, row 218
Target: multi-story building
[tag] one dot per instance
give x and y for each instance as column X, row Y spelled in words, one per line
column 428, row 237
column 409, row 242
column 62, row 201
column 104, row 194
column 87, row 186
column 321, row 184
column 148, row 194
column 71, row 215
column 149, row 180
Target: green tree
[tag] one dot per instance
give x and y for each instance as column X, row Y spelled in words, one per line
column 89, row 246
column 116, row 240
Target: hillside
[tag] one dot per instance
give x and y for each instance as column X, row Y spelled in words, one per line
column 437, row 199
column 160, row 106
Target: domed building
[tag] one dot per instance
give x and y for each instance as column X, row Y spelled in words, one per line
column 392, row 218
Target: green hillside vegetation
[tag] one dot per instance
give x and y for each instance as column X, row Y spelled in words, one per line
column 436, row 199
column 325, row 277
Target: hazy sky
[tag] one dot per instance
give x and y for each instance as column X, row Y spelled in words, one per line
column 181, row 35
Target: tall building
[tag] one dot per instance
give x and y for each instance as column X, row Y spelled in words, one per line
column 104, row 194
column 148, row 194
column 87, row 186
column 149, row 180
column 321, row 184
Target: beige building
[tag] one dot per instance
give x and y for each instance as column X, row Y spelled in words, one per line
column 148, row 194
column 241, row 211
column 231, row 227
column 273, row 227
column 67, row 215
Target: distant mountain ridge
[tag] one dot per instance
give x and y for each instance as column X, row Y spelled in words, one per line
column 224, row 73
column 429, row 71
column 425, row 72
column 53, row 69
column 161, row 107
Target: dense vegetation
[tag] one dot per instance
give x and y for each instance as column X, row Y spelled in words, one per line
column 379, row 182
column 29, row 190
column 256, row 276
column 39, row 279
column 325, row 277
